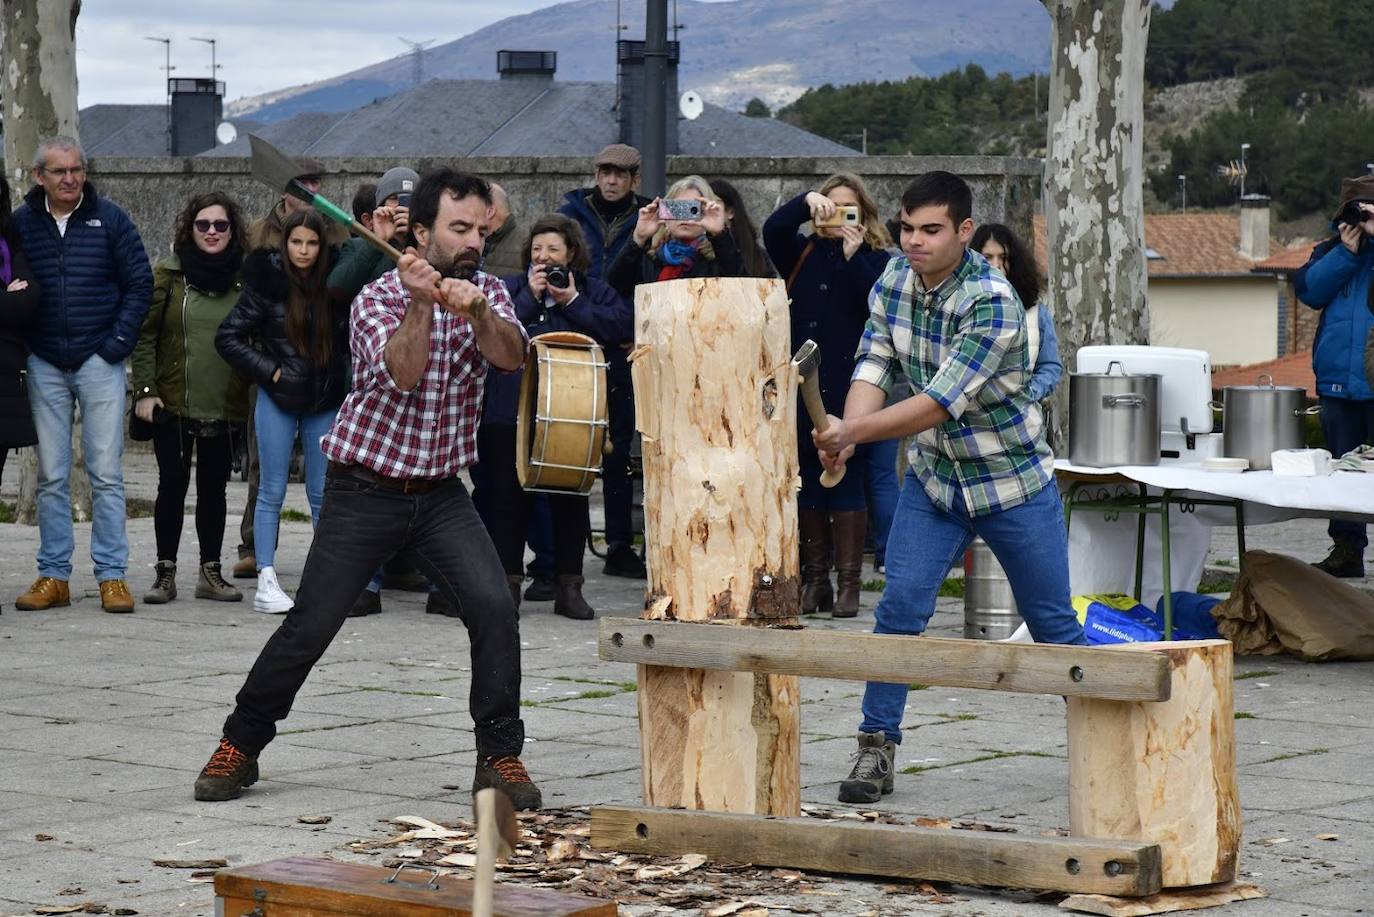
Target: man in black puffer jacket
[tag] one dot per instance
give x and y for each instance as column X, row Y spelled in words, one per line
column 96, row 288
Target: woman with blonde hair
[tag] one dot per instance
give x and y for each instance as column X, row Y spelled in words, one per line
column 663, row 247
column 829, row 273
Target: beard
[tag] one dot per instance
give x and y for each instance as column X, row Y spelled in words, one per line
column 461, row 264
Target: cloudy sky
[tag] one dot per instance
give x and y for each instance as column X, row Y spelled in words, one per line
column 261, row 45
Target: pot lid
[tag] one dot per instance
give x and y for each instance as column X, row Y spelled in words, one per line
column 1265, row 383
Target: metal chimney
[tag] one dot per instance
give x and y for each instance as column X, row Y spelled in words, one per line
column 197, row 106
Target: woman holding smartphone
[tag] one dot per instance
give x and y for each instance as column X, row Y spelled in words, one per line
column 829, row 274
column 682, row 234
column 285, row 336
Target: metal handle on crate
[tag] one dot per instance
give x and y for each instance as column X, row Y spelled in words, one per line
column 432, row 884
column 1124, row 400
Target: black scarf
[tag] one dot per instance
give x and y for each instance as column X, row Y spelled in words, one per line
column 214, row 274
column 609, row 210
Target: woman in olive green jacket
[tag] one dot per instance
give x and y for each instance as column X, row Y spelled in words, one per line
column 183, row 387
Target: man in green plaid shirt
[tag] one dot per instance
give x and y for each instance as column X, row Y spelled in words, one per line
column 945, row 322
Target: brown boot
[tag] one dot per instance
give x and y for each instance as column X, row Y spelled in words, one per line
column 568, row 601
column 246, row 567
column 849, row 530
column 815, row 555
column 115, row 597
column 45, row 592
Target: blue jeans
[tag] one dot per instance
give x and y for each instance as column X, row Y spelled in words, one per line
column 880, row 475
column 276, row 437
column 98, row 389
column 1030, row 542
column 1346, row 424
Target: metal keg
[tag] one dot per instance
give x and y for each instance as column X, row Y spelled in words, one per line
column 989, row 608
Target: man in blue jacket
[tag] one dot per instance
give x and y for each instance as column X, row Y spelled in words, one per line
column 607, row 213
column 96, row 288
column 1336, row 282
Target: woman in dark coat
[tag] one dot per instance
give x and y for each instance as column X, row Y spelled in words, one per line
column 662, row 249
column 829, row 275
column 545, row 300
column 18, row 309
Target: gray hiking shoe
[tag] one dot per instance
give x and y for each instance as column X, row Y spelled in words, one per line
column 211, row 585
column 164, row 586
column 871, row 776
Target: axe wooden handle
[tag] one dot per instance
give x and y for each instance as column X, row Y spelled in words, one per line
column 811, row 397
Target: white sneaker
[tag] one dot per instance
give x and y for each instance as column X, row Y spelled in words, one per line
column 270, row 599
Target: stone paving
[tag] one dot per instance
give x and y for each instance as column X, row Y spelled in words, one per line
column 105, row 721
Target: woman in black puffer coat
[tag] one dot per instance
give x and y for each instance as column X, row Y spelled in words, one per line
column 18, row 309
column 286, row 337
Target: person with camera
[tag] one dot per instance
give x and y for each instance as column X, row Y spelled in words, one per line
column 188, row 393
column 553, row 294
column 1336, row 282
column 682, row 234
column 829, row 275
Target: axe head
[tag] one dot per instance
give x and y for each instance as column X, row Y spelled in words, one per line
column 807, row 359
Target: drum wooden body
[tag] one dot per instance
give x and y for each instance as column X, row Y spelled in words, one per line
column 561, row 426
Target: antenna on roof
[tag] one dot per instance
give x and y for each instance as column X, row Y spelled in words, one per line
column 213, row 66
column 417, row 61
column 167, row 47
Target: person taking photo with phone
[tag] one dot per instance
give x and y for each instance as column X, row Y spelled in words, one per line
column 829, row 274
column 682, row 234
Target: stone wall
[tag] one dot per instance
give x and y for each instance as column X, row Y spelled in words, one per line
column 153, row 190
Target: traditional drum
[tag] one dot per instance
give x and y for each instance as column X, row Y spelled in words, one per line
column 561, row 426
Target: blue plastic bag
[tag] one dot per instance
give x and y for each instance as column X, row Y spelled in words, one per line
column 1116, row 619
column 1192, row 616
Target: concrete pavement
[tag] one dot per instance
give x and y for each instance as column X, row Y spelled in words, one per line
column 106, row 719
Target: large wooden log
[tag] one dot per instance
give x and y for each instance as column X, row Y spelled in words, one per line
column 715, row 402
column 1163, row 773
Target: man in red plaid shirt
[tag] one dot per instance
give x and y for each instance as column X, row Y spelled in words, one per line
column 422, row 338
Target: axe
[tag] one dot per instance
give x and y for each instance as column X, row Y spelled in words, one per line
column 807, row 361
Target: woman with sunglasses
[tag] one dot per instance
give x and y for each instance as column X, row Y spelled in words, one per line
column 183, row 387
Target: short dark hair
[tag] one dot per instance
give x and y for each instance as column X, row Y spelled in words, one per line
column 568, row 228
column 182, row 234
column 940, row 188
column 424, row 200
column 364, row 200
column 1021, row 268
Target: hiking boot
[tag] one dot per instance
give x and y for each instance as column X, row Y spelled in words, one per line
column 115, row 597
column 1345, row 561
column 871, row 775
column 541, row 589
column 367, row 603
column 246, row 567
column 621, row 560
column 816, row 593
column 270, row 598
column 211, row 585
column 227, row 772
column 436, row 604
column 508, row 775
column 848, row 532
column 569, row 602
column 45, row 592
column 164, row 585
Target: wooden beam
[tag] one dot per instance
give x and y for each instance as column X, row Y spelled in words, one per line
column 1028, row 668
column 1086, row 865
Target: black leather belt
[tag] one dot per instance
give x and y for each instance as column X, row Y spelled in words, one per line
column 400, row 485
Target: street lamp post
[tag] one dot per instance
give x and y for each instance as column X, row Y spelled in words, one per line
column 1183, row 192
column 1243, row 148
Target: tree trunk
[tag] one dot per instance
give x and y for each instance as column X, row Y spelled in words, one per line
column 1094, row 215
column 716, row 402
column 38, row 54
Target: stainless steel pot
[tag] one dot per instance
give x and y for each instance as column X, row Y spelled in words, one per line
column 1113, row 418
column 1258, row 419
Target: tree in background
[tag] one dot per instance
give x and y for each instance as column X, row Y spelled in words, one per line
column 757, row 108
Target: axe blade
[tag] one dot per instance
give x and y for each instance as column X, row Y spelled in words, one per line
column 807, row 359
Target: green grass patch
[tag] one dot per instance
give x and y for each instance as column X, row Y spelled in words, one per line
column 1262, row 673
column 1226, row 562
column 1216, row 582
column 952, row 588
column 1244, row 716
column 622, row 685
column 7, row 513
column 873, row 585
column 916, row 686
column 957, row 717
column 615, row 688
column 991, row 756
column 294, row 515
column 394, row 691
column 1295, row 754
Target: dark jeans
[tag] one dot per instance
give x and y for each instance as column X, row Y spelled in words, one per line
column 847, row 496
column 173, row 445
column 1347, row 423
column 361, row 525
column 512, row 507
column 616, row 487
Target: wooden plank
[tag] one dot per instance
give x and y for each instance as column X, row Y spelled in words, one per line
column 1167, row 902
column 316, row 887
column 967, row 857
column 1028, row 668
column 1163, row 773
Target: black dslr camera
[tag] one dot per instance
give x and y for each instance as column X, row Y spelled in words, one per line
column 1352, row 215
column 557, row 276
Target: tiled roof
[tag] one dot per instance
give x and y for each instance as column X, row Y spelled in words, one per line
column 1286, row 261
column 1294, row 369
column 1188, row 245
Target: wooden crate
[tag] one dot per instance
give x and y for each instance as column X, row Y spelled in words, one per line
column 312, row 887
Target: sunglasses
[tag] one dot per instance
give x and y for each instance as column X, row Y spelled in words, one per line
column 203, row 226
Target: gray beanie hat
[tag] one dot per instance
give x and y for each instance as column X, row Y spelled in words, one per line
column 396, row 181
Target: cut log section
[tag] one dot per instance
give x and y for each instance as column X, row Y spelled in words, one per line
column 1121, row 868
column 1163, row 773
column 715, row 400
column 1032, row 668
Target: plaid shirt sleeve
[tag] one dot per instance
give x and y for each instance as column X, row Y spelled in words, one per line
column 985, row 334
column 373, row 322
column 876, row 359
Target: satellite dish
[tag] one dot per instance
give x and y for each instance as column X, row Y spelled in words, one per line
column 690, row 105
column 226, row 132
